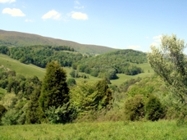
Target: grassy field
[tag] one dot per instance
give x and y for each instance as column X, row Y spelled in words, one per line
column 148, row 71
column 20, row 68
column 161, row 130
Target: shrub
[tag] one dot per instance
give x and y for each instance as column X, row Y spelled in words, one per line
column 71, row 82
column 2, row 111
column 11, row 117
column 154, row 109
column 134, row 108
column 61, row 114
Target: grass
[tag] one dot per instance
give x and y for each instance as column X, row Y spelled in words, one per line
column 148, row 71
column 20, row 68
column 161, row 130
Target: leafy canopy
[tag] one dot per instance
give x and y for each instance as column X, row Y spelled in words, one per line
column 169, row 62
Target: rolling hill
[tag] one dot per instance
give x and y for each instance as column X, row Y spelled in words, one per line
column 13, row 38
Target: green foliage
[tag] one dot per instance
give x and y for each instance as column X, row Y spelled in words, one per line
column 34, row 113
column 71, row 82
column 124, row 86
column 82, row 97
column 169, row 63
column 54, row 87
column 103, row 97
column 154, row 109
column 90, row 99
column 134, row 108
column 41, row 55
column 74, row 74
column 2, row 111
column 62, row 114
column 10, row 118
column 160, row 130
column 110, row 64
column 20, row 68
column 4, row 50
column 13, row 116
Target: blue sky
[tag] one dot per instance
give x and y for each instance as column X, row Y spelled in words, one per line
column 120, row 24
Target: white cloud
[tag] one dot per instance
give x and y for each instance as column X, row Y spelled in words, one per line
column 134, row 47
column 13, row 12
column 78, row 5
column 79, row 15
column 156, row 40
column 7, row 1
column 52, row 15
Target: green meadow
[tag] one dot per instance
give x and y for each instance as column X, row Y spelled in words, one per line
column 161, row 130
column 20, row 68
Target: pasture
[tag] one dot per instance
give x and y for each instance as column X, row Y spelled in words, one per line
column 161, row 130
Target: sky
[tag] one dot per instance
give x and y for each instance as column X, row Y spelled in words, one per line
column 122, row 24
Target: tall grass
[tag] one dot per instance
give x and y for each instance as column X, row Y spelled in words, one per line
column 161, row 130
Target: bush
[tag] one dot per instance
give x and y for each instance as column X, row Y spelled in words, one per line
column 2, row 111
column 71, row 82
column 61, row 114
column 134, row 108
column 154, row 109
column 11, row 117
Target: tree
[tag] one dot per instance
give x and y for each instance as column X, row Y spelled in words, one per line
column 153, row 108
column 34, row 112
column 2, row 111
column 134, row 108
column 55, row 91
column 103, row 97
column 170, row 63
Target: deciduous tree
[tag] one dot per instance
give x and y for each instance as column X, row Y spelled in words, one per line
column 169, row 62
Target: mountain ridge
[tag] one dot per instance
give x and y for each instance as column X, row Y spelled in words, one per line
column 16, row 38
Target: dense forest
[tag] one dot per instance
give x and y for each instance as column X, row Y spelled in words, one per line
column 110, row 64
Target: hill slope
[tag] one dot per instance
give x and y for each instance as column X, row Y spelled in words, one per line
column 12, row 38
column 20, row 68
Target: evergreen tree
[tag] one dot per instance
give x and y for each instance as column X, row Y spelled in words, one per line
column 34, row 112
column 55, row 91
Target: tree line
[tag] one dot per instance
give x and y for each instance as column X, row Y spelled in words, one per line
column 110, row 64
column 41, row 55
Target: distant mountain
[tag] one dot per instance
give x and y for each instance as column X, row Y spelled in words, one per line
column 13, row 38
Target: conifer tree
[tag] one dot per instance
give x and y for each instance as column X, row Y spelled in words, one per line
column 34, row 113
column 55, row 91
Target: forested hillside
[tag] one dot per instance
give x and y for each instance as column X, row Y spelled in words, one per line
column 103, row 66
column 41, row 55
column 110, row 64
column 17, row 39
